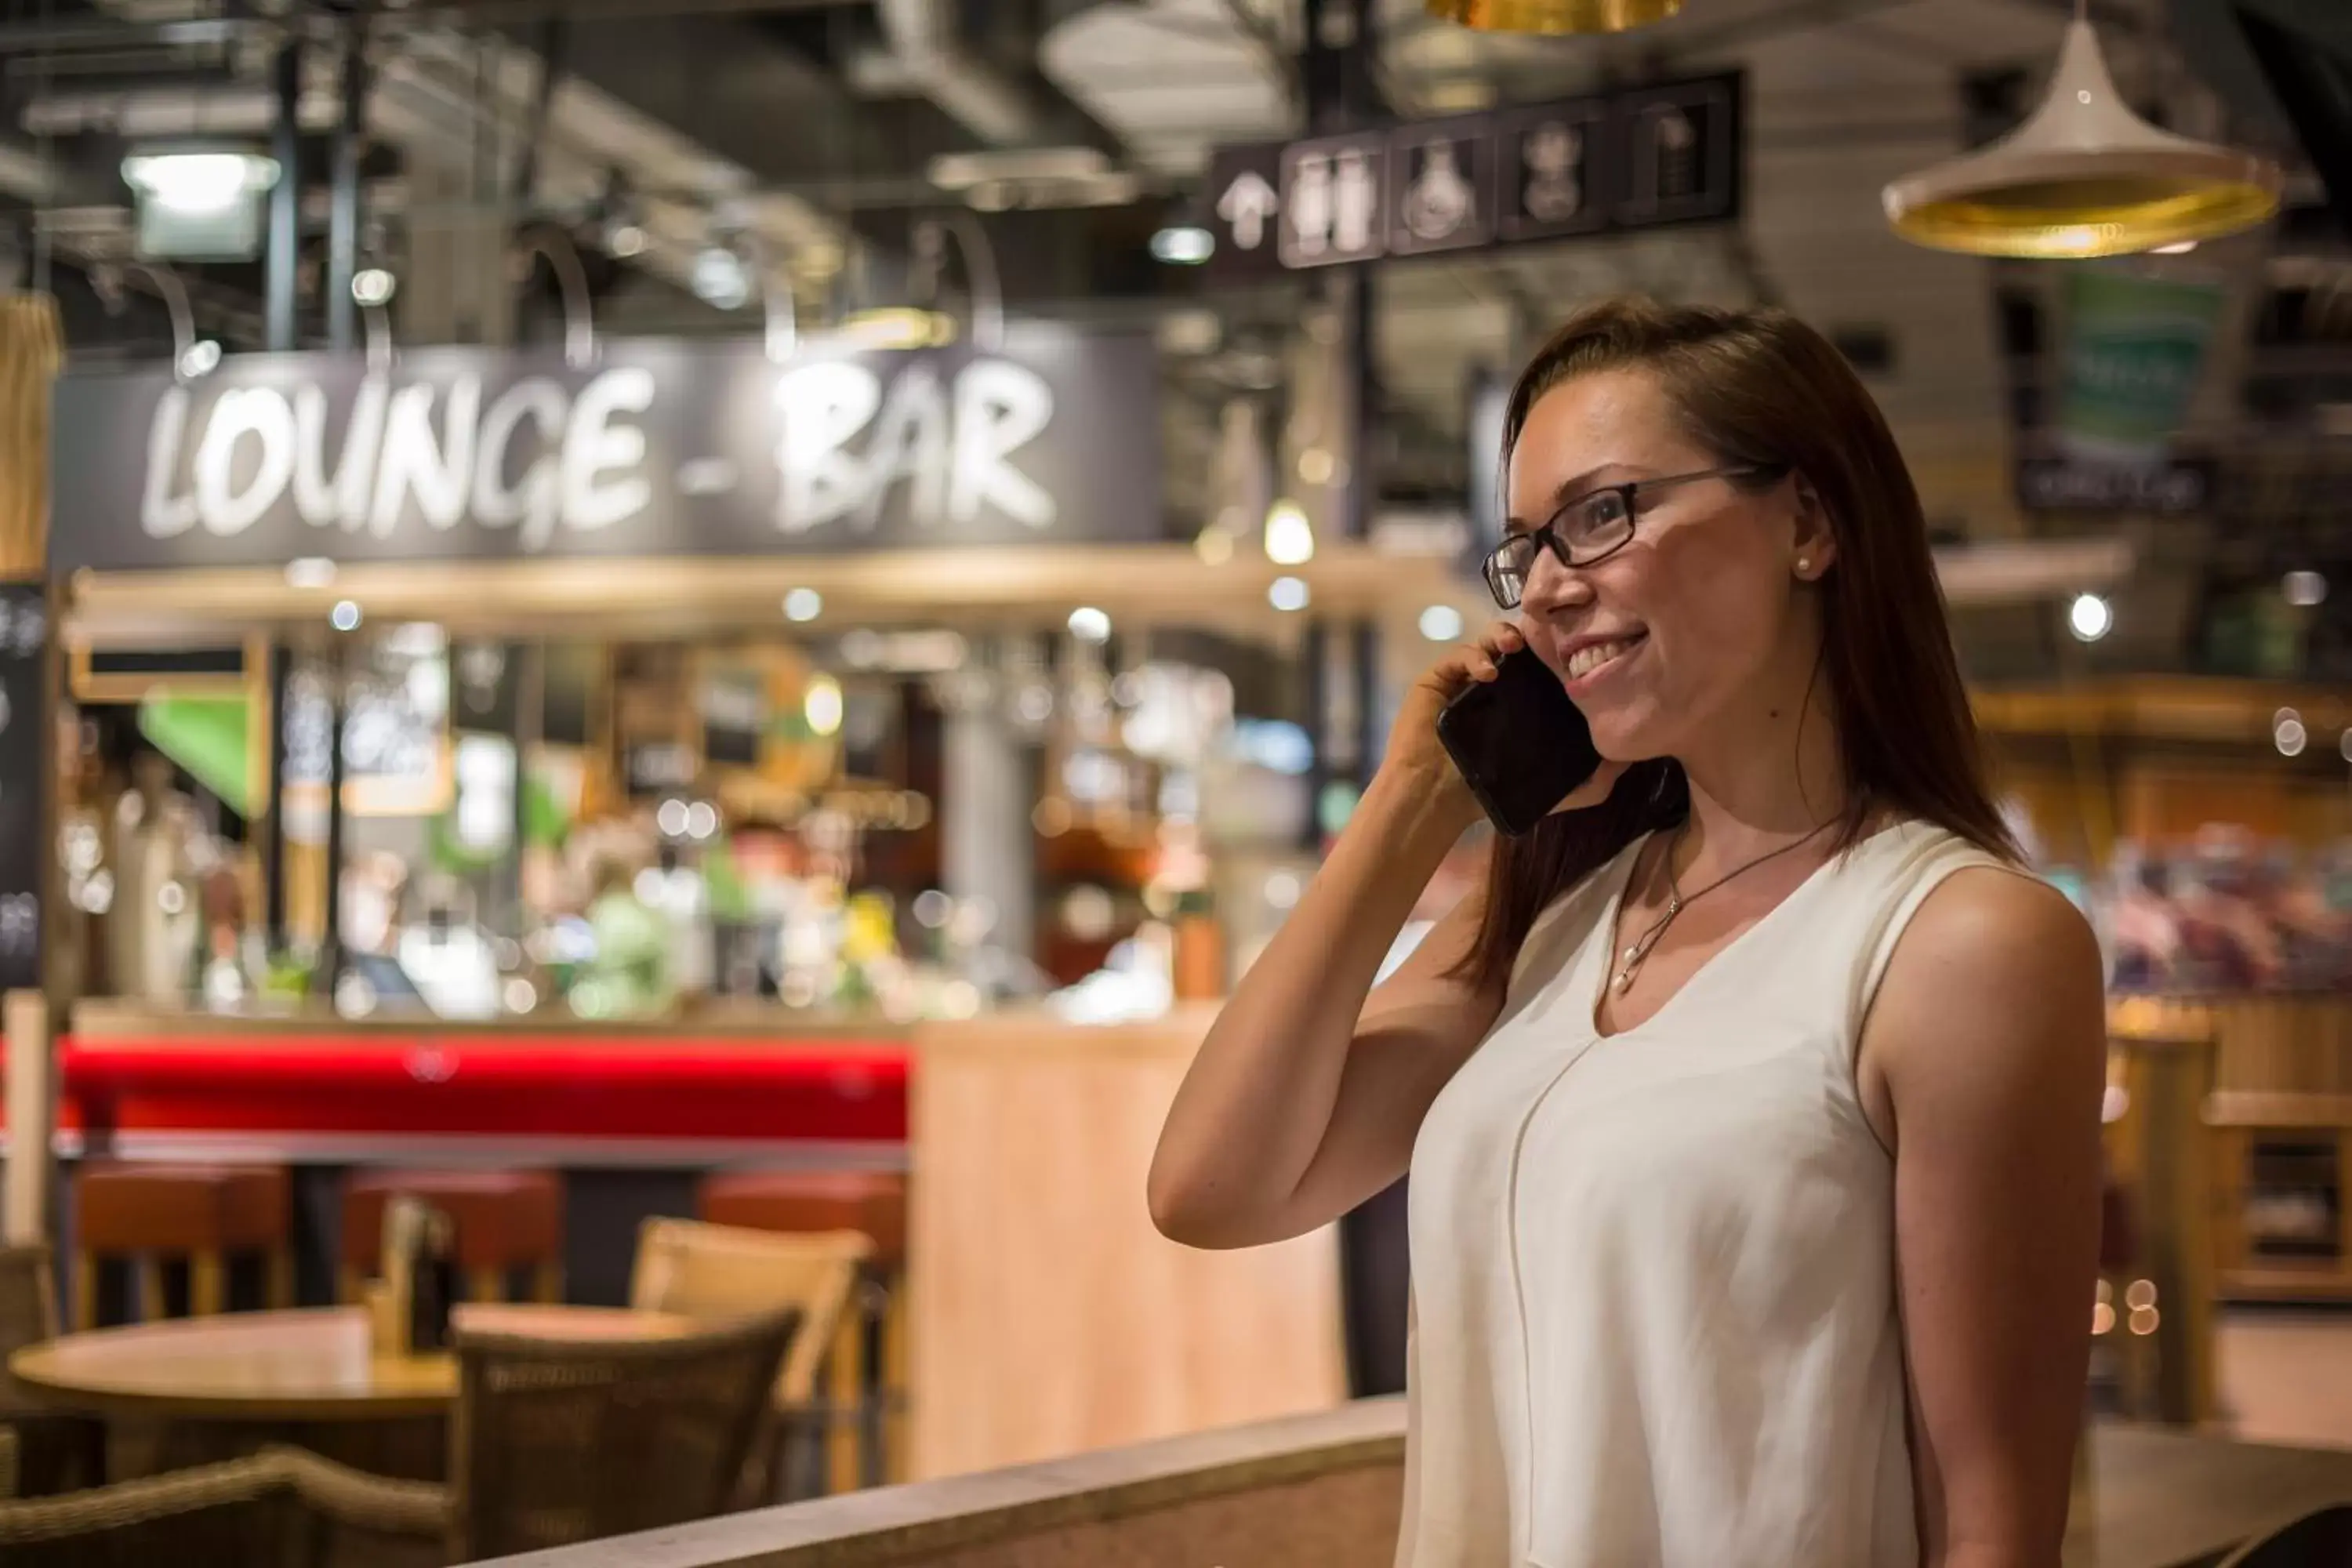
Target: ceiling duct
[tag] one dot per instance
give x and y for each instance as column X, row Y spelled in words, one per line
column 927, row 55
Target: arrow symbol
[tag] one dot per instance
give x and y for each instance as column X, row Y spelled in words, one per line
column 1246, row 205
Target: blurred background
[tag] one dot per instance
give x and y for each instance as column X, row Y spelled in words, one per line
column 626, row 612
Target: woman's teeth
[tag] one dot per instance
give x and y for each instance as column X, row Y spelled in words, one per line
column 1592, row 656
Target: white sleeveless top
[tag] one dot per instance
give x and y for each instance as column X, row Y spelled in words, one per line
column 1654, row 1273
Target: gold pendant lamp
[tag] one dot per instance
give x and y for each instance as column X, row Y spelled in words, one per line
column 2083, row 177
column 1554, row 17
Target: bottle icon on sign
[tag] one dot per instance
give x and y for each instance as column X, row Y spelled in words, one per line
column 1668, row 170
column 1355, row 203
column 1310, row 204
column 1553, row 191
column 1439, row 201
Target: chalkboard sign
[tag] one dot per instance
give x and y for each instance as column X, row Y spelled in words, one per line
column 24, row 780
column 734, row 704
column 651, row 768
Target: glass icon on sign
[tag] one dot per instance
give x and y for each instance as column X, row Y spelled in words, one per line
column 1439, row 201
column 1552, row 192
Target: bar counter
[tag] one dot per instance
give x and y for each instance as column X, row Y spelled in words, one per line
column 1045, row 1316
column 722, row 1086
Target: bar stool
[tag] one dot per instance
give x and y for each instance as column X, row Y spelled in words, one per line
column 873, row 1205
column 503, row 1220
column 203, row 1212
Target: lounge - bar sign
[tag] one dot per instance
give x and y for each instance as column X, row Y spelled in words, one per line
column 653, row 448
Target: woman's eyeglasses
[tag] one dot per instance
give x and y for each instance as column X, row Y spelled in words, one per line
column 1591, row 527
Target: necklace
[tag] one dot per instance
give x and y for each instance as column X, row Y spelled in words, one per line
column 1630, row 962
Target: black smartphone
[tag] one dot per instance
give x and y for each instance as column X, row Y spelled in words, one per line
column 1519, row 742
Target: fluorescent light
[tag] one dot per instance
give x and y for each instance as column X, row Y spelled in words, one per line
column 1183, row 245
column 963, row 170
column 1287, row 594
column 1089, row 625
column 199, row 183
column 2090, row 618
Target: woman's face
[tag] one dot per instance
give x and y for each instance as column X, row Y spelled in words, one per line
column 1699, row 618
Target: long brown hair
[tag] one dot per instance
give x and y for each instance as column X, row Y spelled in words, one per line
column 1760, row 387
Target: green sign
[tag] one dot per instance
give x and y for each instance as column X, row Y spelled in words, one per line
column 2135, row 349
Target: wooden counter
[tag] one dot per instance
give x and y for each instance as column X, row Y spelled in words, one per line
column 1323, row 1492
column 1048, row 1317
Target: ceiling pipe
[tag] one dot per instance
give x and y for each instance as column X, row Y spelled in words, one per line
column 926, row 46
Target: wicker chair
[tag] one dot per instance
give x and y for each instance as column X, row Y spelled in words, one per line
column 559, row 1442
column 2322, row 1539
column 280, row 1509
column 56, row 1452
column 722, row 1272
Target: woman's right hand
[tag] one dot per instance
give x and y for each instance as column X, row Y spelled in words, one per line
column 1420, row 759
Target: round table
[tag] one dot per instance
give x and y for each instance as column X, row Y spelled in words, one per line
column 306, row 1366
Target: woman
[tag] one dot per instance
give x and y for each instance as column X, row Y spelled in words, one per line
column 1753, row 1107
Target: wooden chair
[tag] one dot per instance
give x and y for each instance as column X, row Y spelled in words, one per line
column 53, row 1451
column 719, row 1272
column 2318, row 1540
column 148, row 1213
column 282, row 1508
column 557, row 1442
column 873, row 1205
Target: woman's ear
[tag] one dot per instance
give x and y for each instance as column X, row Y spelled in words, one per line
column 1813, row 542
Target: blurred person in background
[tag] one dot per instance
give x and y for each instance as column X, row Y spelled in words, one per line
column 1752, row 1105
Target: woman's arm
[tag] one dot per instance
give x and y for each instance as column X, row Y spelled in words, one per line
column 1305, row 1096
column 1988, row 1038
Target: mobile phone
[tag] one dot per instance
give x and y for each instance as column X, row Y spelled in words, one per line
column 1522, row 747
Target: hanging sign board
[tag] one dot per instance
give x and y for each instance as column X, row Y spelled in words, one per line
column 1640, row 157
column 656, row 448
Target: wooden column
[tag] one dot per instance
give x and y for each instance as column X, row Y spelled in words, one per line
column 2163, row 1151
column 1046, row 1315
column 32, row 1098
column 32, row 349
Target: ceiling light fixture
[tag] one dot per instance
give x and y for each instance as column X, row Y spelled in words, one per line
column 720, row 278
column 1554, row 17
column 373, row 287
column 2083, row 176
column 1183, row 245
column 1290, row 537
column 199, row 183
column 2090, row 618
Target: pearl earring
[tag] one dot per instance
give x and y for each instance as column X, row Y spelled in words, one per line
column 1804, row 564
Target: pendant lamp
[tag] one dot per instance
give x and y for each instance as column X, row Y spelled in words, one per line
column 2083, row 177
column 1554, row 17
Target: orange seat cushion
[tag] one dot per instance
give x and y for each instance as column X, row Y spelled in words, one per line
column 130, row 1207
column 872, row 1203
column 502, row 1218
